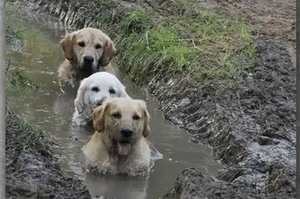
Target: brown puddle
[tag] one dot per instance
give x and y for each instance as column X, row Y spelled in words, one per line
column 50, row 110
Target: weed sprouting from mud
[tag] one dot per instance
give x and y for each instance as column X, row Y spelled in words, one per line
column 15, row 80
column 137, row 22
column 10, row 35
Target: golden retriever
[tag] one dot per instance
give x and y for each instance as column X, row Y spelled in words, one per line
column 87, row 51
column 119, row 144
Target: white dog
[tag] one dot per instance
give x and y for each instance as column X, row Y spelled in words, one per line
column 92, row 92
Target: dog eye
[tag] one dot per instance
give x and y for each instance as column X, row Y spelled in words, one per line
column 95, row 88
column 116, row 115
column 112, row 91
column 81, row 43
column 136, row 117
column 97, row 46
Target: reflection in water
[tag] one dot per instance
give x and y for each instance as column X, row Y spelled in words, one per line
column 116, row 186
column 52, row 111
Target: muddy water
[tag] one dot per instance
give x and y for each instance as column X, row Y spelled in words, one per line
column 50, row 110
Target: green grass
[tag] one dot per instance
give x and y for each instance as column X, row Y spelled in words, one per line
column 137, row 22
column 10, row 36
column 206, row 46
column 20, row 136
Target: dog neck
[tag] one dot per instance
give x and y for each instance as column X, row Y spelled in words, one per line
column 79, row 72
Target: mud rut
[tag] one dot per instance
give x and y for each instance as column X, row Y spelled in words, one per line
column 249, row 121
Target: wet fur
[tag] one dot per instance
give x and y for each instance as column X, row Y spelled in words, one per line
column 100, row 152
column 71, row 71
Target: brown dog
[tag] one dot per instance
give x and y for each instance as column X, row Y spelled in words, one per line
column 87, row 51
column 119, row 145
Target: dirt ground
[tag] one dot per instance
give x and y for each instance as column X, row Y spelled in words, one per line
column 272, row 17
column 31, row 169
column 249, row 121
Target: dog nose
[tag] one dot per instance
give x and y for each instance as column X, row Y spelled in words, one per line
column 88, row 59
column 100, row 102
column 126, row 132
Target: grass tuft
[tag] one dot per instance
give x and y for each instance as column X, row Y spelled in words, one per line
column 21, row 137
column 137, row 22
column 15, row 80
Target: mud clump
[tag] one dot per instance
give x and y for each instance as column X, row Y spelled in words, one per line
column 31, row 169
column 191, row 183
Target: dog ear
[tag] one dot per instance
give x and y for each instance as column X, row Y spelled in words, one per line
column 78, row 102
column 99, row 117
column 67, row 46
column 146, row 130
column 108, row 53
column 123, row 93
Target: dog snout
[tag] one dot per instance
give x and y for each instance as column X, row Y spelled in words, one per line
column 88, row 59
column 100, row 102
column 126, row 132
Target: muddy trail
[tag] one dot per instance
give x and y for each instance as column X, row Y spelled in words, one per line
column 248, row 120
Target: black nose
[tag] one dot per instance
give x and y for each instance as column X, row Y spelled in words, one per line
column 126, row 132
column 100, row 102
column 88, row 59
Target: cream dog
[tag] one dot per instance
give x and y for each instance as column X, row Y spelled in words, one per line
column 92, row 92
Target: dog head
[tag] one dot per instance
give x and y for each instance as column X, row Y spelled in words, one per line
column 123, row 121
column 89, row 47
column 96, row 88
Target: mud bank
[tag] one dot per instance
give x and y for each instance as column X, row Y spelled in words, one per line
column 31, row 169
column 192, row 184
column 248, row 120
